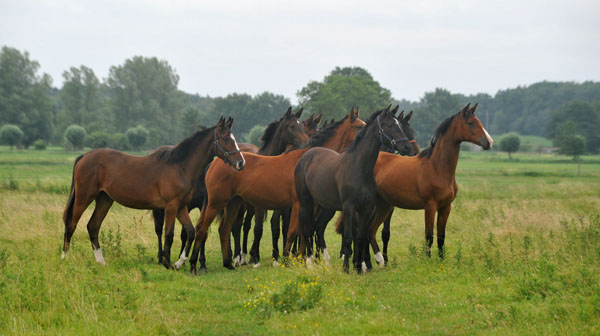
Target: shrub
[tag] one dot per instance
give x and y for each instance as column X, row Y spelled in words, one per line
column 118, row 141
column 39, row 144
column 137, row 136
column 11, row 135
column 253, row 136
column 98, row 139
column 510, row 143
column 75, row 136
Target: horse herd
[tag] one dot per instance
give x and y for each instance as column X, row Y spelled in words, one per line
column 305, row 173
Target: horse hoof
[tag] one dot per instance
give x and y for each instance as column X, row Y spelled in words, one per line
column 257, row 265
column 243, row 260
column 229, row 267
column 309, row 262
column 203, row 270
column 236, row 261
column 363, row 267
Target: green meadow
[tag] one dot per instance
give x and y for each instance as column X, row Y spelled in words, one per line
column 522, row 257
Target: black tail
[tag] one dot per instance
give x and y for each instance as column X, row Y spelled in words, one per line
column 68, row 214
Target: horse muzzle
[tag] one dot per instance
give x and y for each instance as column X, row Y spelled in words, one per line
column 403, row 148
column 239, row 165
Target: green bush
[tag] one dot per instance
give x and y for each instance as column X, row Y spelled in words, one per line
column 75, row 136
column 118, row 141
column 253, row 136
column 11, row 135
column 98, row 139
column 39, row 144
column 137, row 136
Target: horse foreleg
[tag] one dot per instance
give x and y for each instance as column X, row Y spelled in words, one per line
column 236, row 230
column 382, row 212
column 430, row 210
column 183, row 216
column 247, row 224
column 293, row 230
column 385, row 235
column 158, row 215
column 443, row 214
column 259, row 217
column 347, row 236
column 323, row 219
column 103, row 204
column 275, row 232
column 231, row 214
column 208, row 214
column 170, row 214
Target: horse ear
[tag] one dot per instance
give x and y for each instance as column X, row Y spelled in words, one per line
column 474, row 108
column 229, row 122
column 354, row 114
column 401, row 115
column 288, row 113
column 299, row 113
column 408, row 116
column 317, row 119
column 465, row 110
column 309, row 120
column 395, row 109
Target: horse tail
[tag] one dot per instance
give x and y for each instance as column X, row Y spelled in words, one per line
column 68, row 214
column 339, row 225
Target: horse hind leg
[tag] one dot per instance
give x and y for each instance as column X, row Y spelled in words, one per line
column 275, row 233
column 187, row 236
column 78, row 202
column 259, row 217
column 103, row 204
column 246, row 226
column 236, row 231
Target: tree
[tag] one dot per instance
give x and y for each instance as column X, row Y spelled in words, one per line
column 510, row 143
column 435, row 107
column 143, row 91
column 118, row 141
column 343, row 89
column 75, row 136
column 253, row 136
column 190, row 120
column 585, row 118
column 25, row 96
column 81, row 98
column 137, row 136
column 11, row 135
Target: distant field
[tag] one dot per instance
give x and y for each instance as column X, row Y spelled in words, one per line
column 523, row 257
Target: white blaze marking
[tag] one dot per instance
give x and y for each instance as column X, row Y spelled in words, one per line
column 181, row 261
column 379, row 259
column 99, row 257
column 489, row 138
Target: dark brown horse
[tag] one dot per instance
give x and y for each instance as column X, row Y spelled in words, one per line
column 345, row 182
column 160, row 180
column 427, row 181
column 266, row 183
column 278, row 135
column 325, row 215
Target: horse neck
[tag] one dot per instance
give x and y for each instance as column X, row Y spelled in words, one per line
column 275, row 146
column 336, row 142
column 365, row 153
column 445, row 155
column 195, row 164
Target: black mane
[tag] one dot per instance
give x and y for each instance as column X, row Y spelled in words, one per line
column 182, row 149
column 439, row 132
column 268, row 134
column 321, row 137
column 363, row 131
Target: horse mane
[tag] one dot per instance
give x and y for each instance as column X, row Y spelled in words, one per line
column 268, row 134
column 363, row 131
column 182, row 149
column 321, row 137
column 439, row 132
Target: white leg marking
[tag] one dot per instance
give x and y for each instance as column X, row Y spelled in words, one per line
column 181, row 261
column 99, row 257
column 342, row 256
column 63, row 255
column 257, row 265
column 243, row 260
column 363, row 266
column 236, row 261
column 275, row 263
column 326, row 256
column 379, row 259
column 309, row 262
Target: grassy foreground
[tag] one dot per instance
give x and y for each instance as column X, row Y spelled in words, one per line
column 523, row 257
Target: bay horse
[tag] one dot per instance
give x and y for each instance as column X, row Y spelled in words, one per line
column 427, row 181
column 278, row 135
column 266, row 183
column 325, row 215
column 160, row 180
column 346, row 182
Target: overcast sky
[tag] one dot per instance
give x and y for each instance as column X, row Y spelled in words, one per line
column 410, row 47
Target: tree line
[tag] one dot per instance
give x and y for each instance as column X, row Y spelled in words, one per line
column 139, row 105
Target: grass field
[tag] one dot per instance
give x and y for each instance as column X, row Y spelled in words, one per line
column 523, row 257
